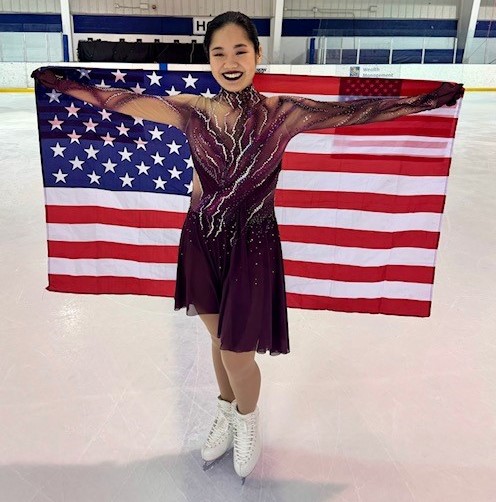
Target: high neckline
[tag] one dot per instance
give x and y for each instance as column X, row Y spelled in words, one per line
column 247, row 96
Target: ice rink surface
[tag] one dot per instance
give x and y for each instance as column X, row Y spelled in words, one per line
column 109, row 398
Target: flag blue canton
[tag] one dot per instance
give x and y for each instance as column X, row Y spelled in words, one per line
column 83, row 146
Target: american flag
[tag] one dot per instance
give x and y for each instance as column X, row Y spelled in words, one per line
column 359, row 208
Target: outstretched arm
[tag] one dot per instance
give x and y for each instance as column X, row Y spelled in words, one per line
column 304, row 114
column 174, row 110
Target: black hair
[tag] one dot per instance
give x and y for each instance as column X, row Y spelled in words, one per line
column 231, row 17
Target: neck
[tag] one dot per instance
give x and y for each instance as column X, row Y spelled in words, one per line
column 248, row 95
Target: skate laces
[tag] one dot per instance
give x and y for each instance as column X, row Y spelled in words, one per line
column 244, row 437
column 218, row 430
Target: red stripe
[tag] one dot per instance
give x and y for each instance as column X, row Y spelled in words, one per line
column 372, row 306
column 125, row 285
column 99, row 249
column 140, row 218
column 436, row 127
column 348, row 273
column 411, row 87
column 289, row 233
column 304, row 84
column 296, row 84
column 360, row 201
column 375, row 164
column 110, row 285
column 359, row 238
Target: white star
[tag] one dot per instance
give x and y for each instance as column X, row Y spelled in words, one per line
column 143, row 169
column 84, row 73
column 58, row 150
column 90, row 125
column 174, row 147
column 172, row 91
column 74, row 137
column 123, row 129
column 91, row 152
column 105, row 115
column 156, row 133
column 189, row 186
column 126, row 180
column 109, row 140
column 141, row 143
column 189, row 162
column 56, row 123
column 60, row 176
column 102, row 85
column 119, row 75
column 137, row 89
column 72, row 110
column 154, row 79
column 93, row 178
column 138, row 120
column 125, row 154
column 190, row 81
column 157, row 159
column 208, row 94
column 54, row 95
column 109, row 166
column 76, row 163
column 160, row 183
column 175, row 173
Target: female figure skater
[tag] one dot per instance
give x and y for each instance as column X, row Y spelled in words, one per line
column 230, row 268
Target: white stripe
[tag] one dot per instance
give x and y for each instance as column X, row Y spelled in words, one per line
column 363, row 183
column 360, row 257
column 338, row 289
column 91, row 232
column 389, row 145
column 358, row 220
column 112, row 267
column 118, row 200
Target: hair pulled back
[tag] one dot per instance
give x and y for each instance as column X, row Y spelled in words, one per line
column 231, row 17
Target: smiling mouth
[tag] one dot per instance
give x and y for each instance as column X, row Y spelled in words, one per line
column 232, row 76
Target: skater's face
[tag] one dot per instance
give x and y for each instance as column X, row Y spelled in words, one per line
column 233, row 60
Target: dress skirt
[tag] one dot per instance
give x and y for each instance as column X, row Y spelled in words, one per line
column 238, row 273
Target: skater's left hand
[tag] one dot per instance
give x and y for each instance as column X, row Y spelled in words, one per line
column 448, row 93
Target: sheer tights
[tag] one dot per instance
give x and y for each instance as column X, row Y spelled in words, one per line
column 237, row 373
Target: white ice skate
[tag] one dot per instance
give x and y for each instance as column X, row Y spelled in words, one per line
column 221, row 436
column 247, row 441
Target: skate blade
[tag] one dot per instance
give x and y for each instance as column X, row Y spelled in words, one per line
column 208, row 464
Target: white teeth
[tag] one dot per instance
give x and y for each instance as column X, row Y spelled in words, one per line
column 232, row 75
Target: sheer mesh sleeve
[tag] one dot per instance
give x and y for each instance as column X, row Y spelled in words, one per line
column 303, row 114
column 173, row 110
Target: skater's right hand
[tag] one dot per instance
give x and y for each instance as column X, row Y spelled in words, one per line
column 448, row 93
column 48, row 78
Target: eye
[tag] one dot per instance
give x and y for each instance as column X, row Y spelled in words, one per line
column 217, row 55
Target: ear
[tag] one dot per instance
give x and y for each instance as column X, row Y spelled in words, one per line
column 259, row 55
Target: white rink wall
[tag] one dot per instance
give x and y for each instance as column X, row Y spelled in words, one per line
column 15, row 76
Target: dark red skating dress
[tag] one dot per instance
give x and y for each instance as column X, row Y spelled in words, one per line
column 230, row 259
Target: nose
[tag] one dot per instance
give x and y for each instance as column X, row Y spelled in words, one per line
column 230, row 63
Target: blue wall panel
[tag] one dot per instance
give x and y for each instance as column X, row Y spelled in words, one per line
column 485, row 29
column 147, row 25
column 370, row 27
column 31, row 22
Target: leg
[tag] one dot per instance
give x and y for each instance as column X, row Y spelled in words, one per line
column 211, row 321
column 245, row 378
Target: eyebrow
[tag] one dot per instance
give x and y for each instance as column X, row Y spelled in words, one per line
column 236, row 46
